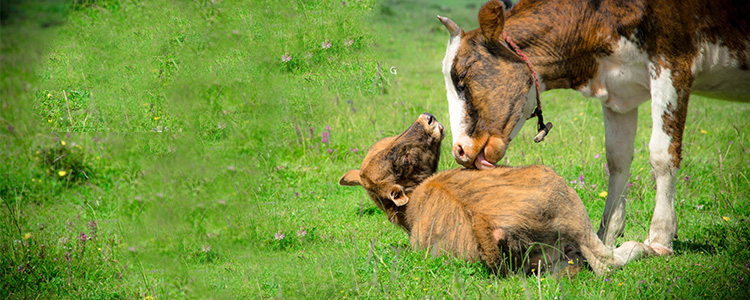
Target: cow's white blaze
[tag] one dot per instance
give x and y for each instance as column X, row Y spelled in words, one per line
column 455, row 104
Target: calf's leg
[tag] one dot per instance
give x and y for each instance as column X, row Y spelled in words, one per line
column 489, row 241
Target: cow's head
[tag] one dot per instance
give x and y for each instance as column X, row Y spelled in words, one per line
column 394, row 166
column 489, row 87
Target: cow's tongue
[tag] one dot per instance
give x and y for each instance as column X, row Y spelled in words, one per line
column 482, row 163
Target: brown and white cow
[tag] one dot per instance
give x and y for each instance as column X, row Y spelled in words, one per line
column 511, row 218
column 622, row 52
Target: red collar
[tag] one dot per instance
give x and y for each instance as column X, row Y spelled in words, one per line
column 542, row 129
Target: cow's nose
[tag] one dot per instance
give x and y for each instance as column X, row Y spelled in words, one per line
column 460, row 154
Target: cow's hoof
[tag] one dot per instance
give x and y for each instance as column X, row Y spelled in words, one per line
column 660, row 249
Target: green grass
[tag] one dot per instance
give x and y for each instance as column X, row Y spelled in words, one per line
column 189, row 146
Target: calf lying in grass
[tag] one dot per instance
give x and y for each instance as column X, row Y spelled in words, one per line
column 523, row 218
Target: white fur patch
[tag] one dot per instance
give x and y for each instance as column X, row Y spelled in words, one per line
column 622, row 81
column 455, row 104
column 663, row 95
column 717, row 74
column 528, row 109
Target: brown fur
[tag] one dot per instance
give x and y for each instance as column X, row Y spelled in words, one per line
column 510, row 218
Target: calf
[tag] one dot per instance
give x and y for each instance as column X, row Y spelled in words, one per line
column 510, row 218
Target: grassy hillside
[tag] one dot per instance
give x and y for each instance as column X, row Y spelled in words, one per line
column 191, row 149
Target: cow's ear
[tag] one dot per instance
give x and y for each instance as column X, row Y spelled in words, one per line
column 398, row 195
column 351, row 178
column 492, row 20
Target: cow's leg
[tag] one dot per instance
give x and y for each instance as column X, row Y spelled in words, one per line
column 670, row 90
column 620, row 132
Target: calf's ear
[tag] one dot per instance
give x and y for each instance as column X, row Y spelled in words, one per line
column 351, row 178
column 492, row 20
column 398, row 195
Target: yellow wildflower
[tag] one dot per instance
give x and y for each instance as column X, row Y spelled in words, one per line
column 603, row 194
column 62, row 173
column 62, row 142
column 49, row 120
column 580, row 113
column 575, row 119
column 703, row 131
column 157, row 118
column 27, row 236
column 49, row 95
column 726, row 218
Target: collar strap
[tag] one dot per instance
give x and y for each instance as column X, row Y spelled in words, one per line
column 542, row 129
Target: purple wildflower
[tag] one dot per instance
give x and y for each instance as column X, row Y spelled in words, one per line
column 302, row 232
column 326, row 45
column 296, row 194
column 596, row 156
column 630, row 184
column 325, row 137
column 687, row 178
column 730, row 142
column 92, row 226
column 278, row 236
column 581, row 180
column 328, row 128
column 286, row 57
column 606, row 279
column 355, row 150
column 83, row 237
column 330, row 150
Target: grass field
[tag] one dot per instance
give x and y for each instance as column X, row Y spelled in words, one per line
column 191, row 149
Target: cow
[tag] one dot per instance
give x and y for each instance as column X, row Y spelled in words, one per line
column 511, row 218
column 621, row 52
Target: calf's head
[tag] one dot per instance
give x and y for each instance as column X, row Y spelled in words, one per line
column 489, row 89
column 394, row 166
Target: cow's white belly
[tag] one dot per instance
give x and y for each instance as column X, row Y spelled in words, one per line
column 718, row 75
column 623, row 80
